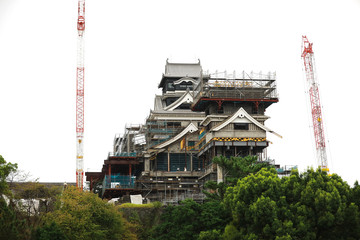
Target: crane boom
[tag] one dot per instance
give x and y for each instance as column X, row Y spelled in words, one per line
column 80, row 95
column 313, row 87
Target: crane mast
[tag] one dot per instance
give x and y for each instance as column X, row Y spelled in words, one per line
column 313, row 87
column 80, row 96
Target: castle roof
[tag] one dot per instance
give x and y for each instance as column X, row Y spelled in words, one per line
column 180, row 70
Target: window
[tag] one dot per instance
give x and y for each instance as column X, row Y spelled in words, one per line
column 184, row 86
column 191, row 143
column 241, row 126
column 174, row 124
column 170, row 86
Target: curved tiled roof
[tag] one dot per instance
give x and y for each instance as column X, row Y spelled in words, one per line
column 186, row 97
column 190, row 128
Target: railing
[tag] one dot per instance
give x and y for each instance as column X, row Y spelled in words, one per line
column 118, row 181
column 286, row 169
column 122, row 154
column 223, row 85
column 234, row 92
column 243, row 75
column 163, row 130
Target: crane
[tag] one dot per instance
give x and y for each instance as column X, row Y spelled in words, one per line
column 80, row 95
column 313, row 87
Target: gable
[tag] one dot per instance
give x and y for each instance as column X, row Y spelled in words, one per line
column 189, row 129
column 241, row 116
column 185, row 98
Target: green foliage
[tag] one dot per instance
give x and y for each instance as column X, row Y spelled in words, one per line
column 215, row 191
column 35, row 190
column 239, row 167
column 231, row 233
column 5, row 170
column 312, row 205
column 11, row 227
column 157, row 204
column 179, row 222
column 143, row 219
column 251, row 203
column 210, row 235
column 234, row 168
column 133, row 205
column 50, row 231
column 82, row 215
column 10, row 224
column 187, row 220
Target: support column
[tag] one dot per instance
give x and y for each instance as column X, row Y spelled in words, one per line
column 191, row 162
column 129, row 174
column 256, row 107
column 91, row 183
column 220, row 177
column 168, row 154
column 147, row 165
column 109, row 179
column 128, row 143
column 219, row 102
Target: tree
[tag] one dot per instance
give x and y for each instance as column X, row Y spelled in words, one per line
column 5, row 170
column 311, row 205
column 10, row 224
column 19, row 176
column 210, row 235
column 187, row 220
column 234, row 168
column 50, row 231
column 83, row 215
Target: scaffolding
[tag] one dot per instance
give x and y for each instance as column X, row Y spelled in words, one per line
column 253, row 86
column 161, row 131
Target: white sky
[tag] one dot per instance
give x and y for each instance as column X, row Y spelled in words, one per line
column 126, row 46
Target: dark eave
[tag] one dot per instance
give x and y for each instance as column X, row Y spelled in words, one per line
column 202, row 102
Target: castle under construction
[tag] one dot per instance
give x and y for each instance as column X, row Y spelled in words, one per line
column 198, row 116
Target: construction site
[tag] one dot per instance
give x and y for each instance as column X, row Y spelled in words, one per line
column 197, row 117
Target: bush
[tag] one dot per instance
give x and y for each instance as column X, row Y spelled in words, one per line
column 83, row 215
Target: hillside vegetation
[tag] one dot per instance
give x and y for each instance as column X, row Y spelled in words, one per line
column 252, row 203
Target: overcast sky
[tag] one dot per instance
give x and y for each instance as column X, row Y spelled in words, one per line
column 126, row 47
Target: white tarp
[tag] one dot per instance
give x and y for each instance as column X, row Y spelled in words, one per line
column 113, row 201
column 136, row 199
column 7, row 200
column 140, row 139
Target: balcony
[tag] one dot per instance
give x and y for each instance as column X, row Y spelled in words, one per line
column 117, row 181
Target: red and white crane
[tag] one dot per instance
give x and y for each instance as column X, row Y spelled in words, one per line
column 313, row 88
column 80, row 96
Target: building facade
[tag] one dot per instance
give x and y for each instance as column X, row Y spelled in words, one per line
column 198, row 116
